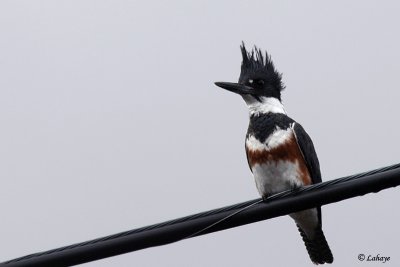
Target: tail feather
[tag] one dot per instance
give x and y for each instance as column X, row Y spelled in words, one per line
column 318, row 247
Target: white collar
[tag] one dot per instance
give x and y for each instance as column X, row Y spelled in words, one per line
column 267, row 105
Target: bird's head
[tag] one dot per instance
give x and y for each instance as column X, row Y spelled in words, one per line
column 258, row 80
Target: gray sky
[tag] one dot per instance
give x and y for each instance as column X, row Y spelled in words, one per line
column 110, row 121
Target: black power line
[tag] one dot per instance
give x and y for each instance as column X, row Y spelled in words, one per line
column 199, row 224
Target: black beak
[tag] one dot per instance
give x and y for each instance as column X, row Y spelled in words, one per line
column 238, row 88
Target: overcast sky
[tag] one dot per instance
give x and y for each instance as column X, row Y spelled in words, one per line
column 109, row 121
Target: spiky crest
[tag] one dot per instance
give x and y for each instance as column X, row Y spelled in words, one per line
column 255, row 66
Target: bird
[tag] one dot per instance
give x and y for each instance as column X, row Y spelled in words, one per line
column 280, row 153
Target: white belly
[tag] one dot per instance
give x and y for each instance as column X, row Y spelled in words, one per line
column 275, row 177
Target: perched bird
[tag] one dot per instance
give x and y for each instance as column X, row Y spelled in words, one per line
column 279, row 152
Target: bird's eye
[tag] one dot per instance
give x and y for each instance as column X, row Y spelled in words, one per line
column 251, row 81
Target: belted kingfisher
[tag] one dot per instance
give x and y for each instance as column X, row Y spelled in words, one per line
column 279, row 152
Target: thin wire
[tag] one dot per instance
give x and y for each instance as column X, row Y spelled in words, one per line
column 289, row 192
column 223, row 219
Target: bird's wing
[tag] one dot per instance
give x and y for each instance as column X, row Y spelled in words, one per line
column 307, row 149
column 310, row 156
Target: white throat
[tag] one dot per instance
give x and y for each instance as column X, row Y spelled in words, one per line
column 267, row 105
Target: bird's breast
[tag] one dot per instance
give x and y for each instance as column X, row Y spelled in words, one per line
column 277, row 163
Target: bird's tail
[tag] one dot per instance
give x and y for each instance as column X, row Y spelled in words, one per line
column 317, row 247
